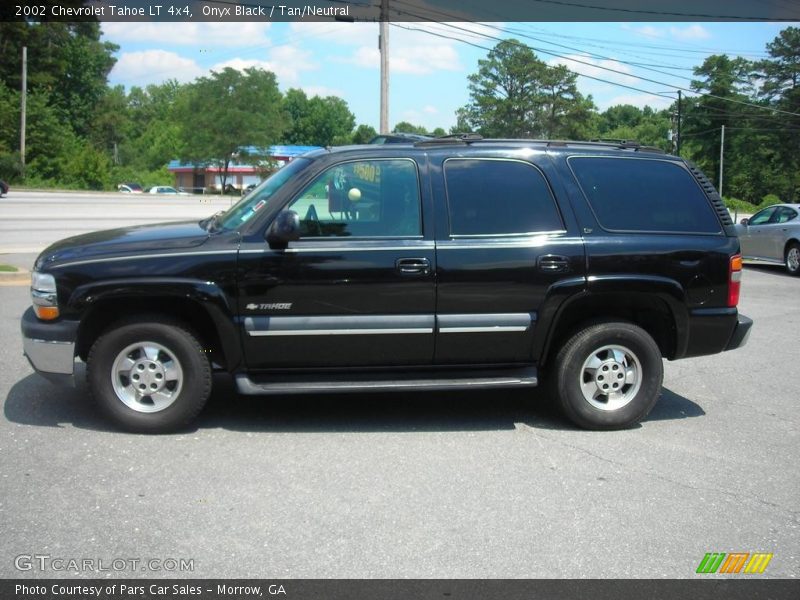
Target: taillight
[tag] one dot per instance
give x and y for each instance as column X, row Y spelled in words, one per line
column 734, row 280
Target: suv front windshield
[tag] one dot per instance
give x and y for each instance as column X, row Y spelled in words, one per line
column 242, row 211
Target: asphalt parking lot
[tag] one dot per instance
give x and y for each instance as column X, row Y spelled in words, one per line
column 480, row 485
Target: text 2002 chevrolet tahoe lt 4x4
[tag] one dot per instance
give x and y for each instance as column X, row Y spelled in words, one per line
column 449, row 263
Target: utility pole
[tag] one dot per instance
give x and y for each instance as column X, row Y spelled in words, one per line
column 721, row 158
column 679, row 124
column 23, row 110
column 383, row 45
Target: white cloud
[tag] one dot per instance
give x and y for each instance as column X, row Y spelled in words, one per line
column 645, row 30
column 212, row 35
column 692, row 32
column 413, row 60
column 431, row 110
column 322, row 91
column 608, row 69
column 154, row 66
column 337, row 33
column 287, row 62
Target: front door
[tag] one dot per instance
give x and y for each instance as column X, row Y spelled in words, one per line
column 357, row 290
column 755, row 237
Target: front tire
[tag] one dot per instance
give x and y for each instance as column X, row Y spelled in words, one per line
column 149, row 375
column 608, row 375
column 792, row 258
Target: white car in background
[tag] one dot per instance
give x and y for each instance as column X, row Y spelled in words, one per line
column 130, row 188
column 772, row 236
column 165, row 189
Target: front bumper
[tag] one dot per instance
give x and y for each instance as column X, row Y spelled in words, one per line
column 50, row 347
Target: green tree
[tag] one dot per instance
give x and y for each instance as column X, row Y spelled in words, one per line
column 406, row 127
column 318, row 121
column 230, row 110
column 156, row 136
column 780, row 75
column 363, row 134
column 514, row 94
column 66, row 61
column 627, row 122
column 725, row 83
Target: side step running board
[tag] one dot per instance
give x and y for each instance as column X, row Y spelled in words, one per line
column 387, row 382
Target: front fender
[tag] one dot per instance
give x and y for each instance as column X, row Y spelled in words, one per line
column 206, row 295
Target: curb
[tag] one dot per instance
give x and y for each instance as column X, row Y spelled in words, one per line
column 15, row 277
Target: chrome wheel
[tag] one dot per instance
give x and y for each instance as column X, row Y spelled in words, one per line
column 793, row 259
column 610, row 377
column 147, row 377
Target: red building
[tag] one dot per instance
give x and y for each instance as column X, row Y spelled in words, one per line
column 193, row 177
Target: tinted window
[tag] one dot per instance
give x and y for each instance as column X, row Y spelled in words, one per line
column 248, row 206
column 490, row 197
column 762, row 217
column 368, row 198
column 644, row 195
column 783, row 214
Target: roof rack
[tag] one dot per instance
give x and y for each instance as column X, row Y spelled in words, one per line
column 625, row 144
column 454, row 138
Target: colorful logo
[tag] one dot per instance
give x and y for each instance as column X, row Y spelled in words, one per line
column 734, row 562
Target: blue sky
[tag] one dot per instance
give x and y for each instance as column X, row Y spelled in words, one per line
column 428, row 71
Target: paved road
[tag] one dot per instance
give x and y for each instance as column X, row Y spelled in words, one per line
column 427, row 485
column 30, row 221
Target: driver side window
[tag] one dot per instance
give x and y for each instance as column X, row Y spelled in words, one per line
column 762, row 217
column 367, row 198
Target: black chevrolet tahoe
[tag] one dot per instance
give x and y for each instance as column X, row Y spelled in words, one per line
column 449, row 263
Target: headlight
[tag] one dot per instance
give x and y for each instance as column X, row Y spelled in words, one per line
column 44, row 296
column 43, row 282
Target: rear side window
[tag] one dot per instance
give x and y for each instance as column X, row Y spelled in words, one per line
column 628, row 194
column 498, row 197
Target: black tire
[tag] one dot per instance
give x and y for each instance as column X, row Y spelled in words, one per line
column 169, row 355
column 640, row 361
column 791, row 262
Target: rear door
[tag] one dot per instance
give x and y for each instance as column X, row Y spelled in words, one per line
column 502, row 242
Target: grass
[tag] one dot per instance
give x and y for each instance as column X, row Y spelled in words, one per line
column 8, row 269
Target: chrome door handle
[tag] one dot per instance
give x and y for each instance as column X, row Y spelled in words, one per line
column 413, row 266
column 553, row 263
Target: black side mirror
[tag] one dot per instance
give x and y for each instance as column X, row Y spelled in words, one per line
column 284, row 229
column 745, row 221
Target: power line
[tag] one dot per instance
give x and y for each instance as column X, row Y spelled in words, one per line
column 441, row 35
column 618, row 72
column 660, row 12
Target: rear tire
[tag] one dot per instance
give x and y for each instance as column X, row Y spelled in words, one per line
column 792, row 258
column 608, row 375
column 149, row 375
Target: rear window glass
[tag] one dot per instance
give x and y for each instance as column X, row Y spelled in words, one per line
column 644, row 195
column 498, row 197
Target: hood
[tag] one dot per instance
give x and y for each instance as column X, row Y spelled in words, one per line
column 139, row 239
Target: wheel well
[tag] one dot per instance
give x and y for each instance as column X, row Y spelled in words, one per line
column 194, row 317
column 789, row 243
column 645, row 310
